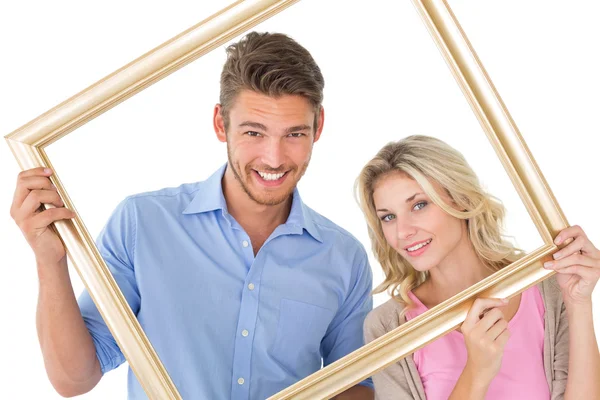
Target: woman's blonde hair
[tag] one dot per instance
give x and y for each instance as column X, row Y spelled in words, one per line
column 423, row 158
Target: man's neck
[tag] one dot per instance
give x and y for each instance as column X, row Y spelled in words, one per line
column 258, row 220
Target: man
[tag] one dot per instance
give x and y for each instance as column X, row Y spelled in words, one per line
column 241, row 288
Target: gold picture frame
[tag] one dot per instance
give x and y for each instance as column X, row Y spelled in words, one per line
column 28, row 142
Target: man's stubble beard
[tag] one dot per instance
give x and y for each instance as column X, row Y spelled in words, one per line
column 235, row 168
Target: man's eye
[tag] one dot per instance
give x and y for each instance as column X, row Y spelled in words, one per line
column 253, row 133
column 297, row 134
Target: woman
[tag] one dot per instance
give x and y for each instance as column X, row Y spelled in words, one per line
column 436, row 232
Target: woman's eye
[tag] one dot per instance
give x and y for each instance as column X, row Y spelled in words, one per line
column 420, row 205
column 388, row 217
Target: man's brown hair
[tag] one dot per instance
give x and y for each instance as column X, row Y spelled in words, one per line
column 272, row 64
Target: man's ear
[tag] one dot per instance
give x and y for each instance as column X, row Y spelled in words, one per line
column 219, row 123
column 320, row 122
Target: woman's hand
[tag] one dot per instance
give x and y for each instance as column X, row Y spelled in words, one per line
column 577, row 265
column 485, row 338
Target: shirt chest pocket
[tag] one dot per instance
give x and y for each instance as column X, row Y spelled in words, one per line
column 300, row 329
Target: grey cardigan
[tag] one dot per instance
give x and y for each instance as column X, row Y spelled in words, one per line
column 401, row 380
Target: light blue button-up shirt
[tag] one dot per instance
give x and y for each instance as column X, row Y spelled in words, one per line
column 226, row 323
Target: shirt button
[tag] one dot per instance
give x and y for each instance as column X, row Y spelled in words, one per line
column 241, row 381
column 245, row 243
column 251, row 286
column 244, row 333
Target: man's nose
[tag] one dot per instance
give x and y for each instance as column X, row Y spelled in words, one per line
column 273, row 153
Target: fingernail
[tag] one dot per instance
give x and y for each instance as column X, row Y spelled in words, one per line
column 556, row 256
column 505, row 301
column 47, row 170
column 557, row 240
column 548, row 264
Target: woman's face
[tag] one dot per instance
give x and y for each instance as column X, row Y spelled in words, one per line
column 423, row 233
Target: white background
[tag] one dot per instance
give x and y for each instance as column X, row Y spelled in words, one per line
column 385, row 79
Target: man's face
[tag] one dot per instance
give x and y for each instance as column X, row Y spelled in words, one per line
column 269, row 143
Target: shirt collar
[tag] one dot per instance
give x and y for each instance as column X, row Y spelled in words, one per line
column 209, row 197
column 301, row 217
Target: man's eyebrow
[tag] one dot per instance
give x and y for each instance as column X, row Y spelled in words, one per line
column 255, row 125
column 298, row 128
column 258, row 125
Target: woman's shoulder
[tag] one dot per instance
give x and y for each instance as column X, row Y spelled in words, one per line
column 383, row 318
column 550, row 291
column 389, row 315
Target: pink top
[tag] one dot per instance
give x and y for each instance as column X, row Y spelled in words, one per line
column 521, row 375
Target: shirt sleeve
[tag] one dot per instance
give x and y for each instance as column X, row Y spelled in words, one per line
column 116, row 244
column 345, row 333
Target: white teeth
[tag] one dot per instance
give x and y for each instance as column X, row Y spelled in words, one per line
column 270, row 177
column 418, row 246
